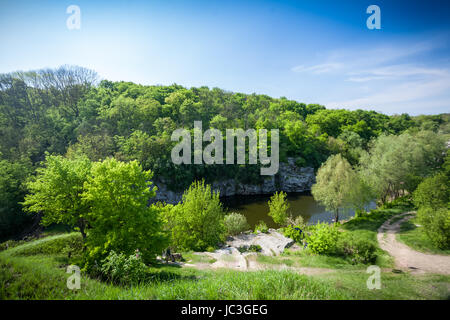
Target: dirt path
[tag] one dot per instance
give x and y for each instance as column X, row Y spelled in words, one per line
column 405, row 257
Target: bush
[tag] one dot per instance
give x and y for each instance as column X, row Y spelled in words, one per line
column 197, row 222
column 436, row 224
column 400, row 202
column 251, row 248
column 433, row 192
column 358, row 250
column 235, row 223
column 261, row 227
column 294, row 232
column 278, row 208
column 296, row 221
column 322, row 238
column 121, row 269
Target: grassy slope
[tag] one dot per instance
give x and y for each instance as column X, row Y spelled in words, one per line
column 415, row 237
column 36, row 270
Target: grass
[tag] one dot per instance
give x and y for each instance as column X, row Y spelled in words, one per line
column 37, row 270
column 415, row 237
column 192, row 257
column 44, row 277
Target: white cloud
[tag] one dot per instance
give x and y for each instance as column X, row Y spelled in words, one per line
column 319, row 68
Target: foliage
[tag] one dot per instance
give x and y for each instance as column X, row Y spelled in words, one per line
column 322, row 238
column 12, row 192
column 56, row 191
column 433, row 192
column 436, row 223
column 119, row 268
column 250, row 248
column 235, row 223
column 278, row 208
column 197, row 222
column 396, row 164
column 261, row 226
column 119, row 217
column 295, row 232
column 359, row 250
column 334, row 185
column 67, row 110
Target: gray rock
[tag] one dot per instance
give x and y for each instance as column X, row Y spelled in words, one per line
column 291, row 178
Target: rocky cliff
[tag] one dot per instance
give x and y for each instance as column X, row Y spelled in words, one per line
column 289, row 178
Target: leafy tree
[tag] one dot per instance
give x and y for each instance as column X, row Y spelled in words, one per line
column 334, row 182
column 433, row 192
column 197, row 222
column 396, row 164
column 12, row 191
column 436, row 224
column 278, row 208
column 56, row 191
column 119, row 216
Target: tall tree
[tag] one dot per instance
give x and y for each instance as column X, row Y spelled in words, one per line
column 56, row 191
column 334, row 182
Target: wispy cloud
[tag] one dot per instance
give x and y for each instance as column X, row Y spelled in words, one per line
column 395, row 76
column 319, row 68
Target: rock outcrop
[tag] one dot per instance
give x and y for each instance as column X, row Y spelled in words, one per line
column 290, row 178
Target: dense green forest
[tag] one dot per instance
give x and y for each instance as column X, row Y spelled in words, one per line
column 68, row 111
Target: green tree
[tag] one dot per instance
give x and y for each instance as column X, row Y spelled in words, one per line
column 119, row 216
column 334, row 182
column 278, row 208
column 12, row 191
column 56, row 191
column 436, row 224
column 396, row 164
column 433, row 192
column 197, row 222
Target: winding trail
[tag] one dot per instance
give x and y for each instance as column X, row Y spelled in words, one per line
column 405, row 257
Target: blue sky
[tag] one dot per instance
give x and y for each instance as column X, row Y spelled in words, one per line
column 309, row 51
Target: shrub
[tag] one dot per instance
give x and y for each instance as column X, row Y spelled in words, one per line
column 235, row 223
column 261, row 227
column 400, row 202
column 358, row 250
column 296, row 221
column 278, row 208
column 254, row 248
column 433, row 192
column 436, row 224
column 322, row 238
column 197, row 222
column 251, row 248
column 294, row 232
column 121, row 269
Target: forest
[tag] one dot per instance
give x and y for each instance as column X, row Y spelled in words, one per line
column 69, row 112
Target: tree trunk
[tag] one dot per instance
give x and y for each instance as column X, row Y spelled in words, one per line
column 82, row 226
column 336, row 216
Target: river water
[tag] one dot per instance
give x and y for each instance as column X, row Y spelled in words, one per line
column 255, row 208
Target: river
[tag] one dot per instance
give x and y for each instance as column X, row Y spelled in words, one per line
column 255, row 208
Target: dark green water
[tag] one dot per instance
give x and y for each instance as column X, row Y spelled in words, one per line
column 255, row 208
